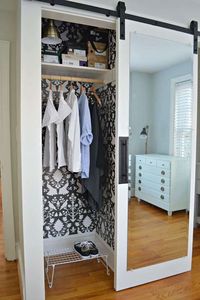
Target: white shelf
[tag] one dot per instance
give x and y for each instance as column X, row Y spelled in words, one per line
column 77, row 71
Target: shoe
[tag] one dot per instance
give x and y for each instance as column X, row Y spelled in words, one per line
column 82, row 248
column 86, row 249
column 92, row 247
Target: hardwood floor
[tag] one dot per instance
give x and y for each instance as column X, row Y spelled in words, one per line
column 89, row 281
column 153, row 236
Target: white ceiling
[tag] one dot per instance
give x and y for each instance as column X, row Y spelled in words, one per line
column 150, row 54
column 180, row 12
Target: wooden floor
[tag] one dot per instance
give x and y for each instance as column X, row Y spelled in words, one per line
column 153, row 236
column 89, row 281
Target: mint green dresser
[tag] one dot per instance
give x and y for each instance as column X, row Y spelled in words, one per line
column 163, row 181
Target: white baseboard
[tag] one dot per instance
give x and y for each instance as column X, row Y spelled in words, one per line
column 66, row 242
column 20, row 267
column 132, row 191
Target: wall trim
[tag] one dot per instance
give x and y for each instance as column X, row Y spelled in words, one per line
column 5, row 154
column 21, row 274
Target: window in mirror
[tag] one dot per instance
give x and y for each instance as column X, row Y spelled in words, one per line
column 182, row 117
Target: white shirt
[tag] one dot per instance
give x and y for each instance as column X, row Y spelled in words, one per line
column 72, row 127
column 49, row 120
column 64, row 110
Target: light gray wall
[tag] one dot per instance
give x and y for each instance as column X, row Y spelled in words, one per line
column 160, row 130
column 140, row 113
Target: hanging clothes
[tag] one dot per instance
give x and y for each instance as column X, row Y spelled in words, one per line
column 93, row 184
column 86, row 134
column 49, row 120
column 72, row 129
column 64, row 110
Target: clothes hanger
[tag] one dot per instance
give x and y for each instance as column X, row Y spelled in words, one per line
column 82, row 89
column 93, row 92
column 71, row 87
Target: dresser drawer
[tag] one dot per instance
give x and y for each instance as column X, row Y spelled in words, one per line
column 140, row 159
column 162, row 181
column 157, row 187
column 144, row 169
column 151, row 193
column 151, row 161
column 163, row 164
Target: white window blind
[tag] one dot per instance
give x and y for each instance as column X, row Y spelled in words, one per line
column 183, row 119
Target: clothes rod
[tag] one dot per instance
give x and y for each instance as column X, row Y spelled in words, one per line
column 68, row 78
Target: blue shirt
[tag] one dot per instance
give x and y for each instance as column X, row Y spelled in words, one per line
column 86, row 134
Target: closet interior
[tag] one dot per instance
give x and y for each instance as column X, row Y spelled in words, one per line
column 78, row 205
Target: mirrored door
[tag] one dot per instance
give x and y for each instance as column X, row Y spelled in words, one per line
column 158, row 115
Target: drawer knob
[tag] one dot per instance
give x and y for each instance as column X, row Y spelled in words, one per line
column 140, row 174
column 162, row 172
column 139, row 188
column 139, row 181
column 162, row 197
column 162, row 180
column 162, row 188
column 140, row 167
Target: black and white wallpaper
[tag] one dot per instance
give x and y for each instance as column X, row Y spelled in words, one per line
column 66, row 210
column 106, row 216
column 65, row 206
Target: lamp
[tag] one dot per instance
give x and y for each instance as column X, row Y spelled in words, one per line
column 144, row 136
column 51, row 35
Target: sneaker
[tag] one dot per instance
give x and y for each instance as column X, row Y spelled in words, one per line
column 92, row 247
column 82, row 248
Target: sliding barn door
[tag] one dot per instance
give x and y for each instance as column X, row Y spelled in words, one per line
column 149, row 60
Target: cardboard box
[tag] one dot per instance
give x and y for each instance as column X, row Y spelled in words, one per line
column 95, row 57
column 72, row 56
column 70, row 62
column 53, row 59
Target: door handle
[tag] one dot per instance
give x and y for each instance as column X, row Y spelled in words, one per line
column 123, row 160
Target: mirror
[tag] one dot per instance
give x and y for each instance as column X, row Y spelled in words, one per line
column 160, row 139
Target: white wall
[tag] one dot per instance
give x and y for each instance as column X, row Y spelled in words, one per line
column 8, row 33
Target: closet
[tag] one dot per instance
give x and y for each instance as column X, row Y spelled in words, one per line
column 56, row 211
column 70, row 216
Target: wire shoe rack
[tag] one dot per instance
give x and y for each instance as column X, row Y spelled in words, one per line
column 55, row 258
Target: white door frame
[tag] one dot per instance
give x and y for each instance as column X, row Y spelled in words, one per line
column 5, row 152
column 128, row 278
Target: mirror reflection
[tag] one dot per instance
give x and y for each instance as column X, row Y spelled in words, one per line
column 160, row 143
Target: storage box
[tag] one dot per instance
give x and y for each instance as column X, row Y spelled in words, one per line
column 74, row 60
column 96, row 59
column 72, row 56
column 78, row 52
column 54, row 59
column 70, row 62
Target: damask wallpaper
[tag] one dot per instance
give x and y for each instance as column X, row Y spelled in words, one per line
column 66, row 210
